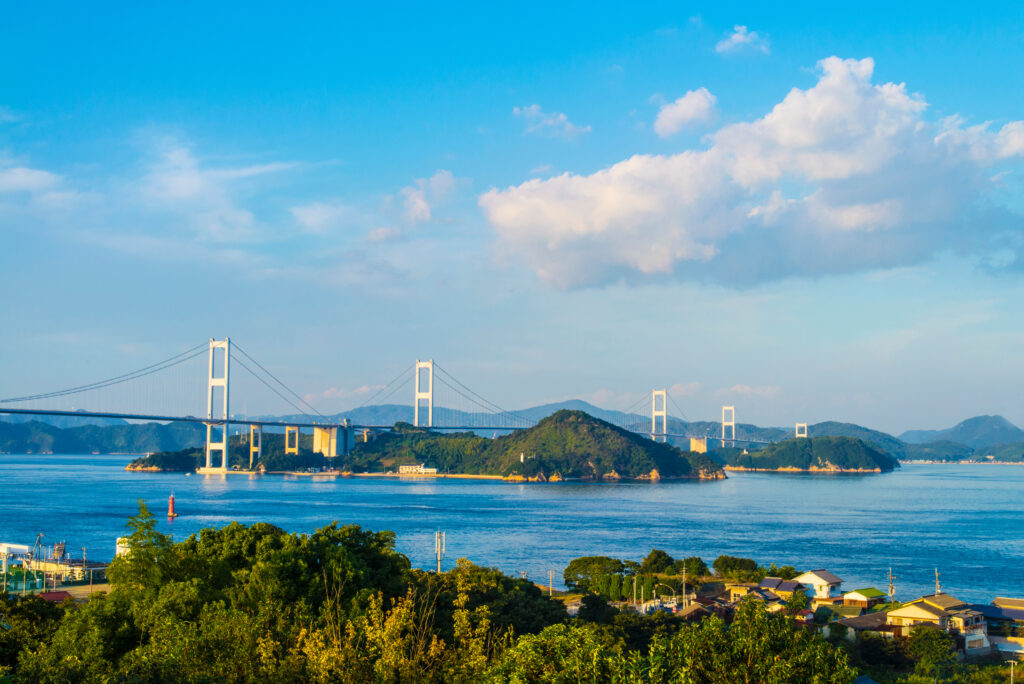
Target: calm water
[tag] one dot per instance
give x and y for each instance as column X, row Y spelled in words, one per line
column 967, row 520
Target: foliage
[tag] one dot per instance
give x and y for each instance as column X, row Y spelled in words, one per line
column 844, row 453
column 582, row 572
column 657, row 561
column 932, row 648
column 786, row 572
column 733, row 567
column 694, row 567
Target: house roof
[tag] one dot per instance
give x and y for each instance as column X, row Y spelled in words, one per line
column 840, row 610
column 998, row 612
column 54, row 596
column 692, row 609
column 869, row 621
column 1004, row 602
column 868, row 593
column 918, row 610
column 943, row 601
column 779, row 584
column 822, row 574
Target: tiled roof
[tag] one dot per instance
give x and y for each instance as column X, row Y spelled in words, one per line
column 779, row 584
column 867, row 621
column 998, row 612
column 944, row 601
column 1004, row 602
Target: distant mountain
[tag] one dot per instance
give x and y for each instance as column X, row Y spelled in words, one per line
column 1010, row 453
column 37, row 437
column 61, row 421
column 882, row 440
column 977, row 432
column 943, row 450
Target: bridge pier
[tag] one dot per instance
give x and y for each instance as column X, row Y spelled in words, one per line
column 291, row 440
column 424, row 395
column 657, row 413
column 325, row 441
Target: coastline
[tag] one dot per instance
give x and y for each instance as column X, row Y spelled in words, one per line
column 512, row 479
column 812, row 469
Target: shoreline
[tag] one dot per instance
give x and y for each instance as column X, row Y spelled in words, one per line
column 334, row 474
column 811, row 470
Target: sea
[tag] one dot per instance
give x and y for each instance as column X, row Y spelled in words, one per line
column 964, row 521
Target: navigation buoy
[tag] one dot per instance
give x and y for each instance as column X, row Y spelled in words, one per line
column 170, row 507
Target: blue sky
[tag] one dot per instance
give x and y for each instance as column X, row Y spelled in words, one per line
column 813, row 213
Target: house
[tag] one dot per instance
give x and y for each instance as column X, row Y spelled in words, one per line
column 1001, row 620
column 865, row 598
column 737, row 590
column 869, row 623
column 947, row 613
column 781, row 587
column 836, row 612
column 824, row 584
column 1013, row 603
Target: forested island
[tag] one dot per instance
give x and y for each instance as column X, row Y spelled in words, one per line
column 565, row 445
column 814, row 455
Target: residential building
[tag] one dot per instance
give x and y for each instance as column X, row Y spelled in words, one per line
column 781, row 587
column 947, row 613
column 824, row 584
column 416, row 470
column 865, row 598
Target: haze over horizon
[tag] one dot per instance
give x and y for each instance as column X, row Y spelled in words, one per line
column 813, row 215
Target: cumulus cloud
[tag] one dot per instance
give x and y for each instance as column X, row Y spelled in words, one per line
column 843, row 176
column 418, row 196
column 552, row 125
column 696, row 106
column 19, row 179
column 742, row 39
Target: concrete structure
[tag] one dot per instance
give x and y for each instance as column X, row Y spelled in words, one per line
column 728, row 424
column 418, row 469
column 801, row 430
column 291, row 440
column 7, row 550
column 824, row 584
column 255, row 444
column 217, row 434
column 420, row 394
column 699, row 444
column 325, row 441
column 659, row 409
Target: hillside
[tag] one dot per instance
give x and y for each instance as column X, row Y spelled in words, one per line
column 37, row 437
column 569, row 444
column 942, row 450
column 832, row 454
column 881, row 440
column 977, row 432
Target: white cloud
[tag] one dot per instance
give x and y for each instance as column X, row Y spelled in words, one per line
column 844, row 176
column 318, row 217
column 553, row 124
column 177, row 183
column 336, row 393
column 742, row 39
column 23, row 179
column 696, row 106
column 419, row 195
column 760, row 391
column 684, row 389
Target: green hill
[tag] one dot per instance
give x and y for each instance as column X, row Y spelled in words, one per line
column 833, row 454
column 977, row 432
column 942, row 450
column 881, row 440
column 569, row 444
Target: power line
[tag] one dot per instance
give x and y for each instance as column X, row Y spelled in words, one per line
column 382, row 389
column 270, row 387
column 289, row 389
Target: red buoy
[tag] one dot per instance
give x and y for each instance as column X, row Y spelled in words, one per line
column 170, row 508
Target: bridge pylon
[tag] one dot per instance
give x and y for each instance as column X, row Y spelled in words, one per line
column 801, row 430
column 255, row 444
column 217, row 434
column 291, row 440
column 659, row 409
column 420, row 394
column 729, row 425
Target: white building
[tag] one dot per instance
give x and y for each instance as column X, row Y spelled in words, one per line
column 416, row 470
column 824, row 584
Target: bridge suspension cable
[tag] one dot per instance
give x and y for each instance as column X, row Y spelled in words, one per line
column 175, row 360
column 276, row 380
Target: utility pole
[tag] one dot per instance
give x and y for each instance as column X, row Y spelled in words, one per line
column 892, row 587
column 439, row 548
column 551, row 584
column 1013, row 665
column 938, row 587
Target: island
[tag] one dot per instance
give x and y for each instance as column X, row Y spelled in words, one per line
column 565, row 445
column 835, row 454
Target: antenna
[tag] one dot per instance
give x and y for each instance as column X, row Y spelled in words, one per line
column 938, row 587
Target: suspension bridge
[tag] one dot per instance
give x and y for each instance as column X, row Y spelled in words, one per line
column 167, row 392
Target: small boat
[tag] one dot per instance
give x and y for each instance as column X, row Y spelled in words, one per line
column 170, row 507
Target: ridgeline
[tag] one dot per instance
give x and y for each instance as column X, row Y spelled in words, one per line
column 815, row 454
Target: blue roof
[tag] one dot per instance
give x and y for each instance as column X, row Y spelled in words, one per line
column 998, row 613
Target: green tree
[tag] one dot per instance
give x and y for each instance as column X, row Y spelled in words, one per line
column 562, row 654
column 583, row 571
column 932, row 650
column 594, row 608
column 657, row 561
column 797, row 602
column 734, row 567
column 694, row 566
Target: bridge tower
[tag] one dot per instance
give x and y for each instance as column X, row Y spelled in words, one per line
column 217, row 434
column 801, row 430
column 659, row 409
column 325, row 441
column 255, row 444
column 728, row 425
column 424, row 395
